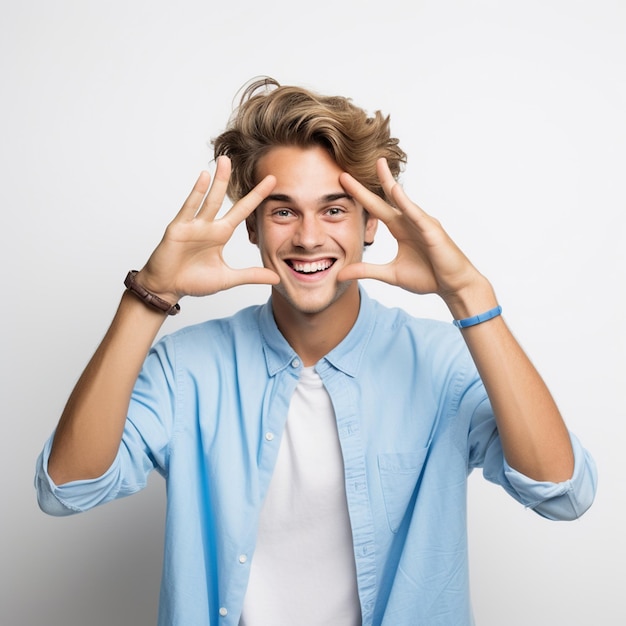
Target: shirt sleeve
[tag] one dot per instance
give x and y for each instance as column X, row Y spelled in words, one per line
column 566, row 500
column 144, row 447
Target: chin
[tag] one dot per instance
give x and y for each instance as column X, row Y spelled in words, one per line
column 311, row 304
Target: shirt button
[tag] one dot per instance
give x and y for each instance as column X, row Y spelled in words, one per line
column 223, row 612
column 269, row 436
column 243, row 558
column 295, row 363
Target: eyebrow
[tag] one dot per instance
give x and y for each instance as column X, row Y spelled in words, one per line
column 330, row 197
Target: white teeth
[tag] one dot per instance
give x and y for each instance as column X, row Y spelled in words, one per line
column 309, row 268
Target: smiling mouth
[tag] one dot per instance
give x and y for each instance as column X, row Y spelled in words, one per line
column 311, row 267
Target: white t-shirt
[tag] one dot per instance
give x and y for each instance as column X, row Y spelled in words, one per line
column 303, row 570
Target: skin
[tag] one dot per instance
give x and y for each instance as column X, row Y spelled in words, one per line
column 307, row 223
column 534, row 437
column 309, row 211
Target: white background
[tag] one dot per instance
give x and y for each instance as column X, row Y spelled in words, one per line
column 514, row 118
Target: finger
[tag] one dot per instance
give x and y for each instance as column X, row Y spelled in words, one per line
column 194, row 199
column 356, row 271
column 254, row 276
column 405, row 204
column 395, row 192
column 385, row 177
column 215, row 198
column 371, row 202
column 240, row 210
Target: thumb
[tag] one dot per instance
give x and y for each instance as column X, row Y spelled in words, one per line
column 365, row 270
column 255, row 276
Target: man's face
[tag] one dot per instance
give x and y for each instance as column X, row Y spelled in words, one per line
column 308, row 228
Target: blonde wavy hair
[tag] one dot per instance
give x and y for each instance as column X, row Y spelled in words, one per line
column 271, row 115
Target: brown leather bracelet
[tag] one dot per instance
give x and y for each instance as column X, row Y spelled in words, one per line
column 151, row 299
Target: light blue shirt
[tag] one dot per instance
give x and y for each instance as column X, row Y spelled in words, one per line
column 413, row 419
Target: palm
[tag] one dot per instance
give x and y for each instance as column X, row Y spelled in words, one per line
column 427, row 261
column 189, row 260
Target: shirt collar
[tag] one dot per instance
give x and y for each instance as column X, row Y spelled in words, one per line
column 346, row 357
column 278, row 353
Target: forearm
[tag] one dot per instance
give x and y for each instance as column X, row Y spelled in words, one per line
column 534, row 437
column 90, row 429
column 187, row 261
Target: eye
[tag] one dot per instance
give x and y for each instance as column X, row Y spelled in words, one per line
column 281, row 213
column 335, row 211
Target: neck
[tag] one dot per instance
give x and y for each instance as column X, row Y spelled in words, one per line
column 314, row 335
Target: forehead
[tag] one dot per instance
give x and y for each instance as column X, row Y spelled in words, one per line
column 301, row 171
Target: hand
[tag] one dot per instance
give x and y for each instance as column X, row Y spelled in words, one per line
column 428, row 261
column 189, row 259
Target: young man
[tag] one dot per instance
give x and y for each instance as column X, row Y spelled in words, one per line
column 316, row 449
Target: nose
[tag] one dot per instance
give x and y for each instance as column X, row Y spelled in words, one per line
column 309, row 232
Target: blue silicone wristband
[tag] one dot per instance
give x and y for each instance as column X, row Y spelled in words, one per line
column 478, row 319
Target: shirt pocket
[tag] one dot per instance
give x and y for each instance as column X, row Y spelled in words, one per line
column 399, row 476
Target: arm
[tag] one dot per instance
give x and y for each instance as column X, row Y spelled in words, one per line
column 188, row 261
column 534, row 437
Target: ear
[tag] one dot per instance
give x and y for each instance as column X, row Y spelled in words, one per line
column 371, row 226
column 252, row 229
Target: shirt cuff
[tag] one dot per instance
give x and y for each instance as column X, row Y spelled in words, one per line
column 75, row 496
column 566, row 500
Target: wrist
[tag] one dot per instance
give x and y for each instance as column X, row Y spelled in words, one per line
column 472, row 300
column 144, row 278
column 132, row 306
column 163, row 303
